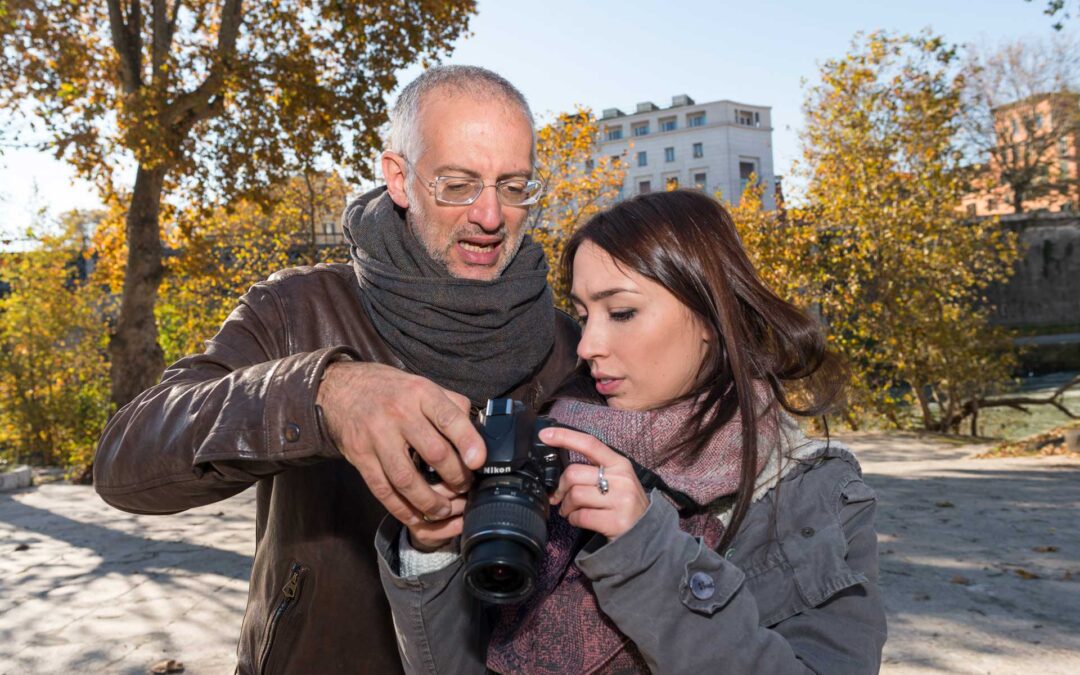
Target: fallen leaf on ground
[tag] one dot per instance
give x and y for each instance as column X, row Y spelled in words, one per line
column 1045, row 549
column 167, row 666
column 944, row 504
column 1024, row 574
column 22, row 547
column 962, row 580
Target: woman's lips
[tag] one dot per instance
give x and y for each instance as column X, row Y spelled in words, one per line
column 607, row 385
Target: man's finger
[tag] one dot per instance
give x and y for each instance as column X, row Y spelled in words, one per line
column 381, row 489
column 426, row 440
column 453, row 422
column 407, row 481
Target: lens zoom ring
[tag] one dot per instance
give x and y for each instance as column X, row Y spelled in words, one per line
column 505, row 515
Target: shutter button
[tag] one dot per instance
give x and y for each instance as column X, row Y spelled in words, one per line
column 702, row 586
column 292, row 432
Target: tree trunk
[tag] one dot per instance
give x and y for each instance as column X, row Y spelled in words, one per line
column 1018, row 200
column 924, row 406
column 137, row 359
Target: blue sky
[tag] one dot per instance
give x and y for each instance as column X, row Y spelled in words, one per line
column 608, row 53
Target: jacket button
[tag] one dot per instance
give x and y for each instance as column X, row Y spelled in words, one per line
column 292, row 432
column 729, row 554
column 702, row 586
column 807, row 532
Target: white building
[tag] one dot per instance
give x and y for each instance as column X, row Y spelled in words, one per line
column 711, row 146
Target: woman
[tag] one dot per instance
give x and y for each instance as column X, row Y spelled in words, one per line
column 691, row 367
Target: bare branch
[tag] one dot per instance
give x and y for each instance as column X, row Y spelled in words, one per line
column 190, row 108
column 127, row 42
column 163, row 28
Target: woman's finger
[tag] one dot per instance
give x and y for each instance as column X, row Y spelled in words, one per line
column 574, row 474
column 583, row 444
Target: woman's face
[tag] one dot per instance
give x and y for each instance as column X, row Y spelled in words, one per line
column 644, row 347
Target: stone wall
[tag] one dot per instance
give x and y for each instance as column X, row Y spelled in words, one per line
column 1045, row 289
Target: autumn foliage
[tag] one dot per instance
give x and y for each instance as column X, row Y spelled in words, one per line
column 53, row 368
column 878, row 249
column 578, row 185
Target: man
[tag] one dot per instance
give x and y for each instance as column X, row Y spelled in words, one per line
column 322, row 379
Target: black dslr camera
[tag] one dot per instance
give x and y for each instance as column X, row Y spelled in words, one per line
column 505, row 530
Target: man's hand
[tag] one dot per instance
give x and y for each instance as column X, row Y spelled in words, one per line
column 375, row 413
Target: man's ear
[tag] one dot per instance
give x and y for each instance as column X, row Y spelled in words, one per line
column 395, row 173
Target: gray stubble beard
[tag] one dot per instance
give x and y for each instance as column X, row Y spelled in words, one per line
column 417, row 219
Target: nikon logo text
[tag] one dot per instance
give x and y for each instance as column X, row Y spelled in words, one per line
column 488, row 470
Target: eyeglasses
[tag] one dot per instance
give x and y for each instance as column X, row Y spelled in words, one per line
column 461, row 191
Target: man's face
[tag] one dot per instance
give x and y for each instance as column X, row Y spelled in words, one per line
column 489, row 140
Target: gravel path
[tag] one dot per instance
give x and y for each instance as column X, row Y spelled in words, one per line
column 980, row 566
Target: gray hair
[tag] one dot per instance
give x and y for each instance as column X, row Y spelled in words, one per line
column 405, row 138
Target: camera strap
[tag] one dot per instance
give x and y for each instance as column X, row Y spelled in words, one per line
column 652, row 481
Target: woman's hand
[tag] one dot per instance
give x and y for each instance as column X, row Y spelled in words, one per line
column 582, row 502
column 430, row 535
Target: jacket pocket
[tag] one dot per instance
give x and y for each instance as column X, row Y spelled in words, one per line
column 813, row 569
column 287, row 599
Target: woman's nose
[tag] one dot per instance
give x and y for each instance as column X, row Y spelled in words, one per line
column 591, row 345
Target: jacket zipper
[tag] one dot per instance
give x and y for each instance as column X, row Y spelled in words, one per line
column 289, row 592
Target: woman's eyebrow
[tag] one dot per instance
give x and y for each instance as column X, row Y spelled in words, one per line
column 600, row 295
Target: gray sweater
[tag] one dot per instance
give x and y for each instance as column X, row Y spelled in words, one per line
column 796, row 592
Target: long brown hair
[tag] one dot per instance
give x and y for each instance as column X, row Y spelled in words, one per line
column 687, row 242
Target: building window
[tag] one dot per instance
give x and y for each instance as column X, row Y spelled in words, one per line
column 615, row 159
column 699, row 150
column 644, row 186
column 699, row 181
column 667, row 124
column 614, row 133
column 972, row 210
column 669, row 154
column 641, row 129
column 642, row 159
column 991, row 205
column 695, row 120
column 748, row 118
column 671, row 183
column 747, row 169
column 1038, row 121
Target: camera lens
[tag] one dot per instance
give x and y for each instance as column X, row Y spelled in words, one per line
column 500, row 571
column 503, row 536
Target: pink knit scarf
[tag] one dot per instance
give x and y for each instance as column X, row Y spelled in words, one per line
column 560, row 628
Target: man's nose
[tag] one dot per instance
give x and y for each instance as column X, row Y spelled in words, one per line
column 486, row 211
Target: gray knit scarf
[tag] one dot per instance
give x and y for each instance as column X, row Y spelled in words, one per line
column 478, row 338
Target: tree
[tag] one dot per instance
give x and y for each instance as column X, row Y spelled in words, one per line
column 1053, row 7
column 205, row 98
column 219, row 254
column 900, row 277
column 577, row 185
column 1021, row 117
column 53, row 371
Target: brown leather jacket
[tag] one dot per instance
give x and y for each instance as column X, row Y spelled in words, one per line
column 243, row 412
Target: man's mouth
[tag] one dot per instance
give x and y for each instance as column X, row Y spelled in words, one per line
column 480, row 251
column 478, row 248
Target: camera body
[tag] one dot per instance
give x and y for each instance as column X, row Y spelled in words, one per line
column 505, row 521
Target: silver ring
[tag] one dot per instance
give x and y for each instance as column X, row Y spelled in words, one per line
column 601, row 482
